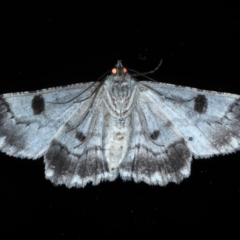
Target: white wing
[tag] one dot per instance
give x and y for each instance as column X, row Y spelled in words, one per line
column 208, row 121
column 30, row 120
column 147, row 131
column 158, row 153
column 170, row 123
column 75, row 156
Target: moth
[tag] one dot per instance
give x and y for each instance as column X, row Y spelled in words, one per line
column 138, row 130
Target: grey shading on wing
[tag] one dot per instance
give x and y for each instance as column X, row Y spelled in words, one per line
column 143, row 131
column 158, row 154
column 75, row 156
column 208, row 121
column 172, row 123
column 29, row 121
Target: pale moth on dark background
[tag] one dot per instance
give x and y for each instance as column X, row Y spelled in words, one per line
column 140, row 130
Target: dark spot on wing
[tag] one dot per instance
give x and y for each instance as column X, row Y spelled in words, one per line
column 143, row 164
column 38, row 104
column 200, row 104
column 3, row 105
column 228, row 129
column 222, row 138
column 168, row 124
column 154, row 135
column 127, row 166
column 90, row 164
column 234, row 108
column 178, row 156
column 9, row 128
column 65, row 164
column 190, row 138
column 58, row 160
column 4, row 110
column 13, row 139
column 168, row 164
column 80, row 136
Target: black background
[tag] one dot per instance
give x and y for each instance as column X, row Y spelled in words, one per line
column 51, row 46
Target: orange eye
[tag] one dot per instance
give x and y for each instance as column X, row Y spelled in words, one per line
column 124, row 70
column 114, row 71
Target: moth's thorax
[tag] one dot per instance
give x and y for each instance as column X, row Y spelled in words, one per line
column 120, row 89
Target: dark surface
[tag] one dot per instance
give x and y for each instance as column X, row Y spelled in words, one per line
column 199, row 47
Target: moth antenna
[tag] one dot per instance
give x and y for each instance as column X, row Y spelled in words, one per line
column 149, row 72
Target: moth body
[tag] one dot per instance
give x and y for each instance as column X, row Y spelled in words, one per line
column 138, row 130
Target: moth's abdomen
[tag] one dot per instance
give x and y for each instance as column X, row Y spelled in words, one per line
column 116, row 140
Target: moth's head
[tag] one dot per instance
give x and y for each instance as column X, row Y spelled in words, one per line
column 119, row 70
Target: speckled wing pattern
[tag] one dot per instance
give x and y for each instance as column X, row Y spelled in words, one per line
column 97, row 131
column 172, row 123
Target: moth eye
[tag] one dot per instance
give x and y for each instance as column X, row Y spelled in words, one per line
column 124, row 70
column 114, row 71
